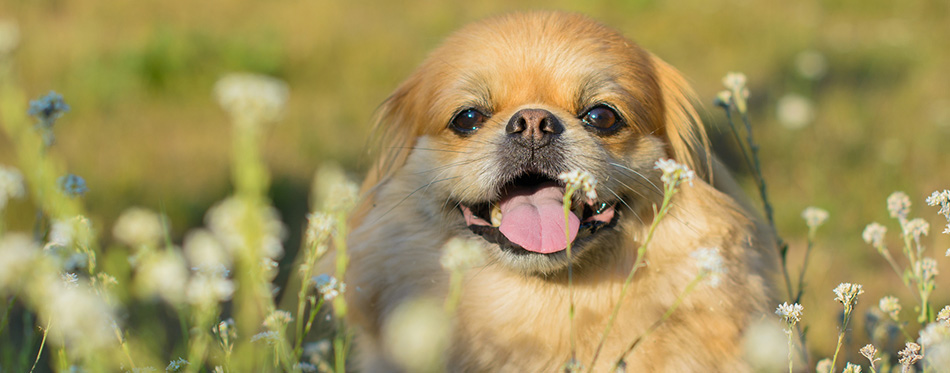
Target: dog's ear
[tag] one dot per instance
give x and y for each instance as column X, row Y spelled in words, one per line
column 683, row 127
column 394, row 135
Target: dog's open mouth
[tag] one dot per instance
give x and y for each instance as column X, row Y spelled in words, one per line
column 529, row 217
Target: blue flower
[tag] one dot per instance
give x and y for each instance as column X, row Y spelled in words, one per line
column 72, row 185
column 48, row 108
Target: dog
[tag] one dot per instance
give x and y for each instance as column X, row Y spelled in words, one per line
column 471, row 147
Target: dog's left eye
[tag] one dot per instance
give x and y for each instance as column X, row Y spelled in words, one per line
column 601, row 117
column 467, row 121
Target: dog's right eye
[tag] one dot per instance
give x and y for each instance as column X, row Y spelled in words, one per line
column 467, row 121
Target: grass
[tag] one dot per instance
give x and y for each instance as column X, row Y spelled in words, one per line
column 138, row 79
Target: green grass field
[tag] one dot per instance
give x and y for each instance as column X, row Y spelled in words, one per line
column 849, row 99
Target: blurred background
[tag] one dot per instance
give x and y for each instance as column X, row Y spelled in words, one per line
column 849, row 101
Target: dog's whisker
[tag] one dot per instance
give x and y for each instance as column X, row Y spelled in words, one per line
column 410, row 195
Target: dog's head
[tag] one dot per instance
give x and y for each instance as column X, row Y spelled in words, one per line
column 491, row 119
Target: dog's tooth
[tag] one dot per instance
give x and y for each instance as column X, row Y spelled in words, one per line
column 495, row 216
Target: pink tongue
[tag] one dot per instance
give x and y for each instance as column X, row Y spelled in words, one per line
column 534, row 219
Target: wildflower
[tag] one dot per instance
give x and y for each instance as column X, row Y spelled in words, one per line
column 891, row 306
column 11, row 185
column 204, row 251
column 277, row 319
column 723, row 99
column 874, row 234
column 70, row 280
column 581, row 180
column 926, row 269
column 941, row 199
column 870, row 352
column 417, row 332
column 162, row 274
column 329, row 287
column 208, row 286
column 851, row 368
column 909, row 356
column 824, row 366
column 138, row 227
column 72, row 185
column 225, row 331
column 460, row 254
column 898, row 204
column 17, row 255
column 790, row 313
column 944, row 315
column 226, row 218
column 710, row 264
column 270, row 337
column 177, row 365
column 251, row 99
column 814, row 217
column 935, row 340
column 916, row 228
column 319, row 227
column 795, row 111
column 85, row 320
column 734, row 81
column 674, row 173
column 48, row 108
column 847, row 294
column 9, row 36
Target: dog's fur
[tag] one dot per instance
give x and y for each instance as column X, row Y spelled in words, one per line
column 513, row 312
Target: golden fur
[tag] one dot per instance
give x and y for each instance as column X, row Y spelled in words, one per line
column 513, row 311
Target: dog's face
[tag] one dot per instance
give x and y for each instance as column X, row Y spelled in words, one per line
column 498, row 112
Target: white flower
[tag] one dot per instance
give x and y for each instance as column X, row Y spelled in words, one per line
column 416, row 335
column 17, row 255
column 941, row 199
column 460, row 254
column 898, row 204
column 674, row 173
column 824, row 366
column 851, row 368
column 203, row 250
column 814, row 217
column 85, row 320
column 847, row 295
column 328, row 286
column 926, row 269
column 277, row 319
column 734, row 81
column 208, row 286
column 710, row 264
column 909, row 355
column 227, row 218
column 795, row 111
column 251, row 99
column 11, row 181
column 874, row 234
column 581, row 180
column 935, row 341
column 790, row 313
column 944, row 315
column 870, row 352
column 138, row 227
column 916, row 228
column 891, row 306
column 319, row 227
column 162, row 274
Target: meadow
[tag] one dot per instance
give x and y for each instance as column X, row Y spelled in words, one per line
column 848, row 100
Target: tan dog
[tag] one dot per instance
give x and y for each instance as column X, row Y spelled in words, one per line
column 473, row 143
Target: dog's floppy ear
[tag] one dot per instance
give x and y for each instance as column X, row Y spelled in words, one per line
column 393, row 139
column 683, row 127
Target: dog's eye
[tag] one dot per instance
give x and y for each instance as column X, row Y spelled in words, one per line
column 601, row 117
column 467, row 121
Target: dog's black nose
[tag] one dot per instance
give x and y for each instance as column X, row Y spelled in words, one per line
column 534, row 128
